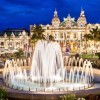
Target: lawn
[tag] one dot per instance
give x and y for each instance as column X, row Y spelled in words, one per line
column 87, row 56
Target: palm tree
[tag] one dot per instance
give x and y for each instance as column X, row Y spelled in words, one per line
column 51, row 38
column 93, row 35
column 95, row 32
column 87, row 37
column 37, row 34
column 19, row 54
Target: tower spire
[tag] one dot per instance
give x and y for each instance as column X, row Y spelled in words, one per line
column 82, row 13
column 69, row 16
column 55, row 13
column 55, row 20
column 81, row 8
column 81, row 20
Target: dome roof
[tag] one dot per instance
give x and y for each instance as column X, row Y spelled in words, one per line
column 68, row 20
column 81, row 18
column 55, row 19
column 64, row 23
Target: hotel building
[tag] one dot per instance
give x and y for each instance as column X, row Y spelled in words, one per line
column 14, row 39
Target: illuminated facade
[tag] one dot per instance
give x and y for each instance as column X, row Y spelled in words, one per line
column 14, row 39
column 69, row 32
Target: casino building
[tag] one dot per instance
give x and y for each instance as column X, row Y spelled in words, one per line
column 69, row 32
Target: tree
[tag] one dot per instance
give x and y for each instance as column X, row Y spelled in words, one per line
column 95, row 34
column 87, row 37
column 19, row 54
column 51, row 38
column 3, row 94
column 37, row 34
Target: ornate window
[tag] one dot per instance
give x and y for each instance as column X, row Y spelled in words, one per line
column 68, row 35
column 68, row 26
column 65, row 35
column 61, row 35
column 55, row 35
column 17, row 44
column 2, row 44
column 81, row 25
column 74, row 35
column 47, row 28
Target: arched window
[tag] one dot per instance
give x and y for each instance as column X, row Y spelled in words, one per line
column 68, row 35
column 68, row 26
column 65, row 35
column 61, row 35
column 17, row 44
column 47, row 28
column 2, row 44
column 74, row 35
column 81, row 25
column 55, row 35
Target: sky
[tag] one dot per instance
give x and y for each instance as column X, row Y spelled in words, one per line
column 22, row 13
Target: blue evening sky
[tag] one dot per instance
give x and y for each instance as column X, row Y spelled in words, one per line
column 22, row 13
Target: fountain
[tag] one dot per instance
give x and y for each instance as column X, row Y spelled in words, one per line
column 49, row 71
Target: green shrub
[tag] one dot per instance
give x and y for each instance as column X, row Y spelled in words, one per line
column 98, row 54
column 89, row 56
column 3, row 94
column 67, row 97
column 19, row 54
